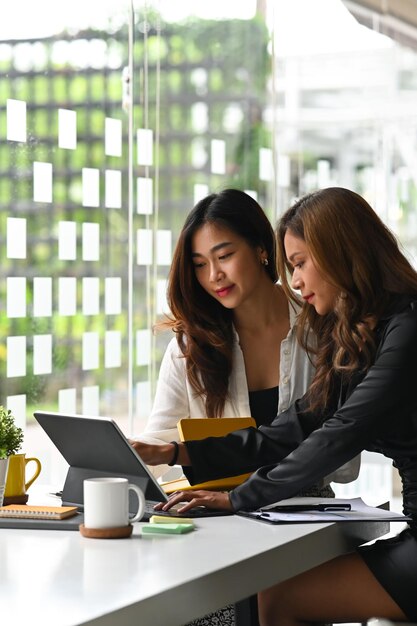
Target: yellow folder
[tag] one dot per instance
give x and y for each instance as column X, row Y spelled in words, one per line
column 193, row 429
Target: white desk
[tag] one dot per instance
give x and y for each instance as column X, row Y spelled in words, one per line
column 52, row 578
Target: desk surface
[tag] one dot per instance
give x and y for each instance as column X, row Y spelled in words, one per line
column 59, row 577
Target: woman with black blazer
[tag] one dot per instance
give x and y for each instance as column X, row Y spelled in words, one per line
column 360, row 298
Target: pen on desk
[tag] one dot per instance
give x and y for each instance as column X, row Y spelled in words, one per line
column 334, row 507
column 321, row 506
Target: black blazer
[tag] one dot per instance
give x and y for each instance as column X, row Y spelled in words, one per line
column 376, row 412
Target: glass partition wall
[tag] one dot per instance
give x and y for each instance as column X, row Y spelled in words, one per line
column 113, row 122
column 115, row 117
column 64, row 197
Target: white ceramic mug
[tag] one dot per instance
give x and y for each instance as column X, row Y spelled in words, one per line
column 106, row 502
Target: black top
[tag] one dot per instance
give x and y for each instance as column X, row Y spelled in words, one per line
column 376, row 412
column 264, row 405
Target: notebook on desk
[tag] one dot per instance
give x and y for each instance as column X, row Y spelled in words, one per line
column 200, row 428
column 94, row 447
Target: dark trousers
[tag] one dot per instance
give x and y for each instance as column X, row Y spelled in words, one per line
column 246, row 612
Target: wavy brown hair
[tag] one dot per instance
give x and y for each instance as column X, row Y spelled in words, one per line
column 358, row 254
column 203, row 326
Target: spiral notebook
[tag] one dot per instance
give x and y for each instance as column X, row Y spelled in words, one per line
column 26, row 511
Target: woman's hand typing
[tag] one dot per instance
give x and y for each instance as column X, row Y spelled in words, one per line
column 209, row 499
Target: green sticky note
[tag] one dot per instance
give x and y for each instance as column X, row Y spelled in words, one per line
column 171, row 529
column 166, row 519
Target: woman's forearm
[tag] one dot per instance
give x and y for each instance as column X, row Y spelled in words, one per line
column 163, row 454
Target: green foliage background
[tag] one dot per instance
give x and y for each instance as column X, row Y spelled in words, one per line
column 221, row 64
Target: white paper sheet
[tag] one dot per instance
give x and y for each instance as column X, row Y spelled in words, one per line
column 359, row 512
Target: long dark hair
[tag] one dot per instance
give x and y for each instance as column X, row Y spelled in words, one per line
column 203, row 326
column 358, row 254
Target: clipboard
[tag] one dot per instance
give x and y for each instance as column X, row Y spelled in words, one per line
column 200, row 428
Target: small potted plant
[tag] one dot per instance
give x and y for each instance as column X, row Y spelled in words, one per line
column 11, row 438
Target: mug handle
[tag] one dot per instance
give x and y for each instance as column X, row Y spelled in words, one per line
column 36, row 473
column 141, row 503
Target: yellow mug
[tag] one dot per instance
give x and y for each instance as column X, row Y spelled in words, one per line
column 16, row 483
